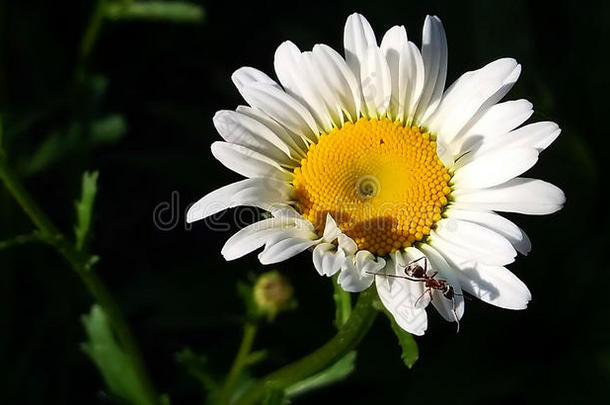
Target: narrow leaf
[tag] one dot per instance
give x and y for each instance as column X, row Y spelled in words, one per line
column 256, row 357
column 197, row 367
column 410, row 352
column 273, row 396
column 335, row 373
column 173, row 11
column 84, row 208
column 111, row 360
column 107, row 129
column 75, row 138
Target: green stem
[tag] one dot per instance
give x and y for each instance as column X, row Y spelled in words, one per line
column 348, row 337
column 90, row 37
column 239, row 363
column 19, row 240
column 82, row 264
column 343, row 303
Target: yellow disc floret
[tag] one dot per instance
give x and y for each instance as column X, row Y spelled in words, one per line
column 382, row 182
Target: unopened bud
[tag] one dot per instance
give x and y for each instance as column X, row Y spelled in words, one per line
column 273, row 294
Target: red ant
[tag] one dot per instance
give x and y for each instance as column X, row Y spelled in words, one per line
column 415, row 272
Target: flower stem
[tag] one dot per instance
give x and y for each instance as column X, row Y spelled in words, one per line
column 90, row 37
column 81, row 263
column 343, row 303
column 239, row 363
column 348, row 337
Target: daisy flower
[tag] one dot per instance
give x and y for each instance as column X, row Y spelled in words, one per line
column 368, row 162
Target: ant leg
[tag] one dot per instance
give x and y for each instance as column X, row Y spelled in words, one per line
column 421, row 296
column 395, row 276
column 457, row 321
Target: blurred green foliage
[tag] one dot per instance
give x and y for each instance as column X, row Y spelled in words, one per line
column 410, row 352
column 84, row 208
column 335, row 373
column 155, row 10
column 111, row 360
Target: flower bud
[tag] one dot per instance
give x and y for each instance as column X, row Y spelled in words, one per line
column 273, row 294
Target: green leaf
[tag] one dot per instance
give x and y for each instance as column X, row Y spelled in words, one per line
column 273, row 396
column 246, row 293
column 410, row 352
column 173, row 11
column 108, row 129
column 84, row 208
column 337, row 372
column 75, row 137
column 114, row 364
column 196, row 366
column 256, row 357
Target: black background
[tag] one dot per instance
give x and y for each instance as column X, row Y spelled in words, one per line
column 167, row 80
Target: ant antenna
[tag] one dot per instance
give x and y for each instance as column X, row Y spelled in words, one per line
column 414, row 261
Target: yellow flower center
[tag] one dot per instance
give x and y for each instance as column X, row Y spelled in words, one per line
column 382, row 182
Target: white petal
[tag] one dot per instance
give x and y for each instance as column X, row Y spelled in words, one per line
column 297, row 144
column 246, row 75
column 495, row 167
column 497, row 223
column 450, row 309
column 331, row 230
column 444, row 152
column 399, row 297
column 475, row 90
column 339, row 79
column 376, row 82
column 538, row 135
column 347, row 244
column 327, row 259
column 414, row 64
column 296, row 73
column 358, row 36
column 497, row 120
column 406, row 70
column 394, row 47
column 242, row 130
column 292, row 214
column 283, row 108
column 473, row 241
column 492, row 284
column 247, row 162
column 367, row 263
column 321, row 78
column 521, row 195
column 256, row 235
column 283, row 246
column 434, row 56
column 501, row 118
column 356, row 271
column 257, row 192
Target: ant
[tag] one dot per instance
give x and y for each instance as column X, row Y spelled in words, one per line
column 415, row 272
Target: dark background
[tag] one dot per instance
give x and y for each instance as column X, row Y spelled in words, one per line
column 165, row 81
